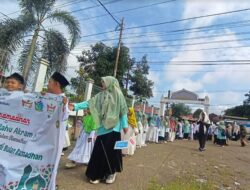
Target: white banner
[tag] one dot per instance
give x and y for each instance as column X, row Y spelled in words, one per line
column 32, row 132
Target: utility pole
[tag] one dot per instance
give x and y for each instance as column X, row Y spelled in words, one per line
column 119, row 47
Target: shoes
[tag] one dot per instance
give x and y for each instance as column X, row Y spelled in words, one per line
column 70, row 165
column 62, row 154
column 111, row 178
column 94, row 181
column 202, row 149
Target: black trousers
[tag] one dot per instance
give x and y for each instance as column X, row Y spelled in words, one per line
column 105, row 160
column 202, row 140
column 215, row 139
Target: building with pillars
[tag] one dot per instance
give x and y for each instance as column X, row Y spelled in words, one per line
column 186, row 97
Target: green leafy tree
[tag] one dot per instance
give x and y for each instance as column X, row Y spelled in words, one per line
column 99, row 61
column 141, row 85
column 247, row 101
column 79, row 84
column 180, row 110
column 34, row 13
column 240, row 111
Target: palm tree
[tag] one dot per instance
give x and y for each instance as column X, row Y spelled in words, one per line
column 29, row 30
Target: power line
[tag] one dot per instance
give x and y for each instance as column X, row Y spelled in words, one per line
column 205, row 64
column 172, row 33
column 193, row 38
column 164, row 22
column 69, row 3
column 91, row 7
column 227, row 24
column 205, row 61
column 190, row 18
column 211, row 91
column 189, row 44
column 109, row 13
column 5, row 15
column 180, row 20
column 187, row 30
column 127, row 10
column 190, row 50
column 178, row 71
column 58, row 6
column 219, row 62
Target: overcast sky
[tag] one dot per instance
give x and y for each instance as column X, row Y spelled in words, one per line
column 171, row 32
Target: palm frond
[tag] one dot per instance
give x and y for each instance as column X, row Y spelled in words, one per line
column 35, row 60
column 4, row 60
column 38, row 8
column 70, row 22
column 56, row 50
column 12, row 32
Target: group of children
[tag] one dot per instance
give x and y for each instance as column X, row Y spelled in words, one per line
column 57, row 82
column 85, row 141
column 141, row 129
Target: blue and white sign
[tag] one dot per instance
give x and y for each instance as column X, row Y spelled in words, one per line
column 121, row 145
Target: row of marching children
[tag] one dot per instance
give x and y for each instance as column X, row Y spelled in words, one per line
column 143, row 129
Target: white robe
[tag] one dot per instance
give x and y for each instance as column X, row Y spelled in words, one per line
column 83, row 149
column 149, row 133
column 180, row 130
column 66, row 140
column 162, row 131
column 131, row 138
column 139, row 142
column 153, row 134
column 63, row 125
column 191, row 131
column 144, row 135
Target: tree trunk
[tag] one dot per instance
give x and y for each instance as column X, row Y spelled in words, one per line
column 28, row 64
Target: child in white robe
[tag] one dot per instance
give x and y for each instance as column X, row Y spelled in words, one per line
column 172, row 129
column 162, row 130
column 150, row 129
column 145, row 129
column 130, row 136
column 140, row 128
column 153, row 131
column 156, row 129
column 85, row 142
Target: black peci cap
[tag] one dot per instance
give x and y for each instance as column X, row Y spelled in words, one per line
column 60, row 78
column 17, row 77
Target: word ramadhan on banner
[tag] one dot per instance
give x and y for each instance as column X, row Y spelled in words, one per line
column 31, row 139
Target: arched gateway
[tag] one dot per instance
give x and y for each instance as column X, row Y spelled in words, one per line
column 186, row 97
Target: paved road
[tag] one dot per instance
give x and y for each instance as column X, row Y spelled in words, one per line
column 227, row 167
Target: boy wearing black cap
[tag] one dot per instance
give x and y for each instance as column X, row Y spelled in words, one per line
column 14, row 82
column 57, row 83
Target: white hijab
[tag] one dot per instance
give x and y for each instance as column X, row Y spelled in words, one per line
column 206, row 118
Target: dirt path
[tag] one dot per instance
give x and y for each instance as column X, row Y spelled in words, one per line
column 227, row 167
